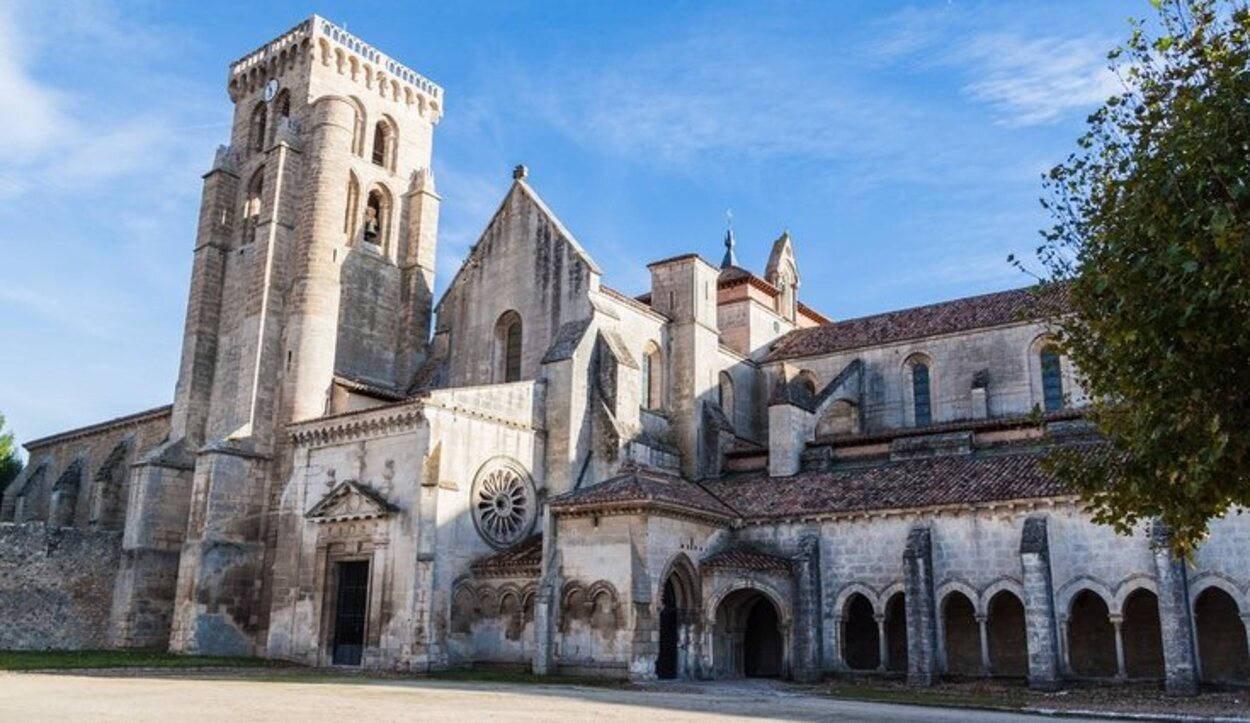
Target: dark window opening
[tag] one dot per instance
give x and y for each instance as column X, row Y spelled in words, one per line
column 512, row 352
column 1052, row 379
column 920, row 392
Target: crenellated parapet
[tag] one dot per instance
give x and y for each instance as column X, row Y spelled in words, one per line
column 250, row 73
column 321, row 41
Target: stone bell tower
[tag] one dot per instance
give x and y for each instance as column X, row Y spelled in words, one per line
column 314, row 261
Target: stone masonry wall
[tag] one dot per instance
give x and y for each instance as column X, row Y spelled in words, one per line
column 57, row 588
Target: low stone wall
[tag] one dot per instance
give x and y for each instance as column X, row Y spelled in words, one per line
column 56, row 586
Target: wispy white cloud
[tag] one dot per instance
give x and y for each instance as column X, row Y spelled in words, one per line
column 1037, row 80
column 98, row 187
column 1026, row 78
column 35, row 117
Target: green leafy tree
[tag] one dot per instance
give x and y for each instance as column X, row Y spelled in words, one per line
column 10, row 461
column 1151, row 239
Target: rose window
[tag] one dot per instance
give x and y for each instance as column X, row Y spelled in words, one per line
column 504, row 506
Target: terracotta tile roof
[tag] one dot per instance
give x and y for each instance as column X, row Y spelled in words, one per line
column 974, row 312
column 912, row 484
column 742, row 559
column 369, row 389
column 525, row 558
column 645, row 489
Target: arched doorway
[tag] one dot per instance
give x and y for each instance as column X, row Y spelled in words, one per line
column 1222, row 649
column 1008, row 638
column 761, row 644
column 678, row 621
column 861, row 641
column 1142, row 635
column 749, row 639
column 896, row 634
column 666, row 662
column 962, row 634
column 1091, row 637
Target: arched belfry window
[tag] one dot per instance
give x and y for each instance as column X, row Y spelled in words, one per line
column 256, row 128
column 384, row 144
column 508, row 342
column 377, row 224
column 281, row 113
column 1052, row 378
column 786, row 300
column 652, row 381
column 252, row 205
column 358, row 127
column 920, row 391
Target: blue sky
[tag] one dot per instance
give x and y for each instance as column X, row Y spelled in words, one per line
column 901, row 143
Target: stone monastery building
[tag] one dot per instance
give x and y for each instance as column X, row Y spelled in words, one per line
column 708, row 480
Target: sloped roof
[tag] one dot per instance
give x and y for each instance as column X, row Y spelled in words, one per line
column 525, row 558
column 369, row 389
column 650, row 489
column 974, row 312
column 519, row 186
column 744, row 559
column 978, row 478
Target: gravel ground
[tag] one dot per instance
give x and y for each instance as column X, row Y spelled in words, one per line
column 31, row 697
column 137, row 695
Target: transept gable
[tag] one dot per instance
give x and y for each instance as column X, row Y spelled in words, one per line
column 519, row 197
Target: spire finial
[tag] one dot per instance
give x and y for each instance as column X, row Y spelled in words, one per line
column 731, row 259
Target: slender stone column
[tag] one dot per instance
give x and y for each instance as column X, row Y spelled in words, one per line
column 1176, row 623
column 1117, row 621
column 838, row 628
column 883, row 648
column 985, row 644
column 921, row 618
column 1039, row 605
column 1065, row 662
column 1245, row 620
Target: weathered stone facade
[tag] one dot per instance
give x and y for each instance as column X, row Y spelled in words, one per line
column 708, row 480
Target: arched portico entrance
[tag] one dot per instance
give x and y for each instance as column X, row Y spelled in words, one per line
column 749, row 637
column 679, row 601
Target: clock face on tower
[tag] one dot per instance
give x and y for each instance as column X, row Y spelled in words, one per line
column 271, row 89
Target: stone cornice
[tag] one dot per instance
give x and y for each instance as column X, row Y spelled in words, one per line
column 642, row 507
column 355, row 425
column 1019, row 505
column 471, row 413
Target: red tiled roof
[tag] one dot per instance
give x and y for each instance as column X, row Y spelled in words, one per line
column 912, row 484
column 524, row 558
column 739, row 559
column 644, row 488
column 974, row 312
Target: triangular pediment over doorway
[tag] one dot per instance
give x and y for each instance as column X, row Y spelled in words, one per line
column 350, row 501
